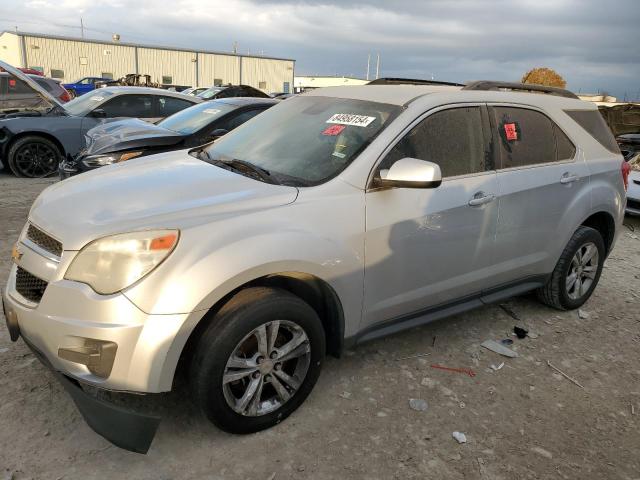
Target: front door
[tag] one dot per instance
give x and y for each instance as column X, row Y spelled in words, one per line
column 428, row 247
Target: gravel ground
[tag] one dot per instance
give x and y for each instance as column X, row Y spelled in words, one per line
column 524, row 421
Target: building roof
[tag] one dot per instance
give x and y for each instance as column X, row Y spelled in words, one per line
column 139, row 45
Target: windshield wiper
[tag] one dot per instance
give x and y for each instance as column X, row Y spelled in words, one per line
column 263, row 173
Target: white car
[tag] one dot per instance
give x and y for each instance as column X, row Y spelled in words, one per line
column 630, row 147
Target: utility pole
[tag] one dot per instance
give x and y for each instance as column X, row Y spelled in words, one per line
column 81, row 28
column 378, row 67
column 235, row 47
column 368, row 63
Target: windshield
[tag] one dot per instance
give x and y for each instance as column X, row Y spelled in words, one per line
column 308, row 139
column 192, row 119
column 82, row 105
column 210, row 93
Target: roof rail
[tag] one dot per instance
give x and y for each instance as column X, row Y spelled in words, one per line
column 523, row 87
column 411, row 81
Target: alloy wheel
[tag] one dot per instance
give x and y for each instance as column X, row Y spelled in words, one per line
column 36, row 160
column 582, row 271
column 266, row 368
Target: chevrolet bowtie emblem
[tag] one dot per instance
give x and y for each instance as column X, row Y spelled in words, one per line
column 16, row 254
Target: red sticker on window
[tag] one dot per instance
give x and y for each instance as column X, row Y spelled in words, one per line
column 334, row 130
column 510, row 131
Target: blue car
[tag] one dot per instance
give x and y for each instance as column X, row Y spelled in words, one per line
column 84, row 85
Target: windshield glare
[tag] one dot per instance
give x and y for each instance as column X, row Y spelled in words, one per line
column 192, row 119
column 84, row 104
column 309, row 139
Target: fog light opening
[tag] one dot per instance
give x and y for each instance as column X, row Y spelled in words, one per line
column 97, row 355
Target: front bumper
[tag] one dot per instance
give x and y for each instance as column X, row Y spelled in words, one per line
column 124, row 428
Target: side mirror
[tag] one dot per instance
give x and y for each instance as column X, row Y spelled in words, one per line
column 411, row 173
column 99, row 113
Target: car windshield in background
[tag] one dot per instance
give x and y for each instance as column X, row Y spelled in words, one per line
column 307, row 139
column 192, row 119
column 210, row 93
column 82, row 105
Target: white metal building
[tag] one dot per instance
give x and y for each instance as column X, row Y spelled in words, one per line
column 70, row 59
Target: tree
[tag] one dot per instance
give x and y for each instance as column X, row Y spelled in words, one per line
column 544, row 76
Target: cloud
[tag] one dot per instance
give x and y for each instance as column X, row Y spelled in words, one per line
column 590, row 43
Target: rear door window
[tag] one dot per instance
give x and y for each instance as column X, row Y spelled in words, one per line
column 594, row 124
column 140, row 106
column 451, row 138
column 239, row 119
column 528, row 137
column 170, row 105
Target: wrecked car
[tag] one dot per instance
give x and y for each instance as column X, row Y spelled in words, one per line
column 123, row 140
column 35, row 140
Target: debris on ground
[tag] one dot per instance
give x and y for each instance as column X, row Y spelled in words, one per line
column 498, row 348
column 460, row 437
column 532, row 335
column 520, row 332
column 564, row 374
column 542, row 451
column 466, row 371
column 582, row 314
column 346, row 395
column 414, row 356
column 495, row 368
column 418, row 404
column 506, row 341
column 633, row 409
column 509, row 311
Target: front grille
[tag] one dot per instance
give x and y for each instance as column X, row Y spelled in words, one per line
column 635, row 204
column 43, row 240
column 29, row 286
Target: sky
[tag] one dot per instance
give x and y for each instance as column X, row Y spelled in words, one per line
column 593, row 44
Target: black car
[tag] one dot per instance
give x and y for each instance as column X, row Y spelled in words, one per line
column 629, row 144
column 125, row 139
column 231, row 91
column 34, row 141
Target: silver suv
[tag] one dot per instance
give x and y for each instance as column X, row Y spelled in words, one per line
column 333, row 218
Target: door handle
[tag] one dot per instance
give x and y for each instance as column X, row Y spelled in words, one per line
column 481, row 198
column 568, row 178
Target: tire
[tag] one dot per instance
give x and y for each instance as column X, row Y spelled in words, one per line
column 233, row 332
column 560, row 292
column 34, row 156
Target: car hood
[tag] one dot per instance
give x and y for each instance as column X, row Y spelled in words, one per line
column 128, row 133
column 169, row 190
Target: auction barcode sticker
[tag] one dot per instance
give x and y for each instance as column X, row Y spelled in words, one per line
column 351, row 119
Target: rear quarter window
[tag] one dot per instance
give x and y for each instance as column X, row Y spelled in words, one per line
column 594, row 124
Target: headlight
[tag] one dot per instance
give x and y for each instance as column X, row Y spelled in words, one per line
column 111, row 264
column 102, row 160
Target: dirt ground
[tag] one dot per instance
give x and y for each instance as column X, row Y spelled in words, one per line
column 524, row 421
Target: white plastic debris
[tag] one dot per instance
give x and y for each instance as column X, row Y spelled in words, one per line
column 418, row 404
column 582, row 314
column 499, row 348
column 496, row 367
column 460, row 437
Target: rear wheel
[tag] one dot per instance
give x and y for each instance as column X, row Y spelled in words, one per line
column 258, row 360
column 577, row 272
column 34, row 157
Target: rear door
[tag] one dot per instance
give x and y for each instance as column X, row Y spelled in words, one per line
column 541, row 175
column 427, row 247
column 131, row 105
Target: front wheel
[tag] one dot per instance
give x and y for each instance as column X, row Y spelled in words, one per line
column 258, row 360
column 577, row 272
column 34, row 156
